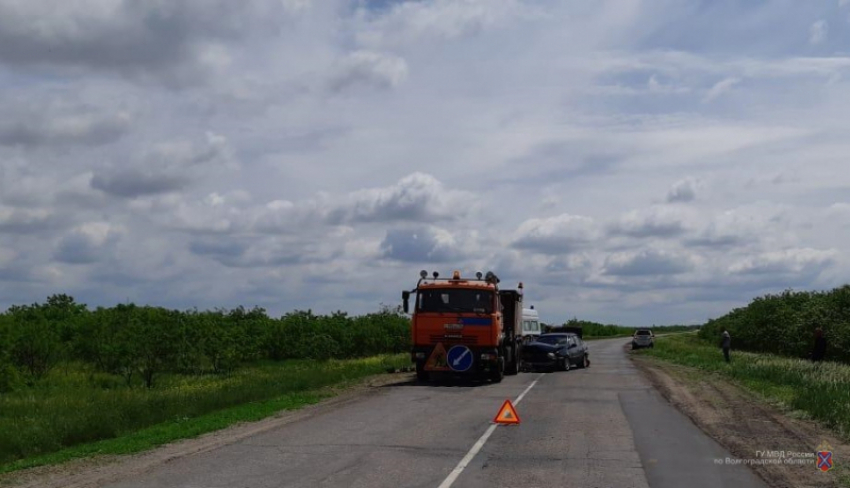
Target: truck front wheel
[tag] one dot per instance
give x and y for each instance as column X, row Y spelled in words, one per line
column 421, row 374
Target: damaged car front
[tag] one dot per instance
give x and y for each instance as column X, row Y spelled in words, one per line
column 548, row 352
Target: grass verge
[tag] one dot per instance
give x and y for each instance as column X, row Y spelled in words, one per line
column 70, row 417
column 819, row 392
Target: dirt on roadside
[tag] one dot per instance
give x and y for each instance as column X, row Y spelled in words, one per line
column 98, row 471
column 745, row 424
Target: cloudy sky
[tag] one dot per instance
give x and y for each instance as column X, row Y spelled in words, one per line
column 630, row 161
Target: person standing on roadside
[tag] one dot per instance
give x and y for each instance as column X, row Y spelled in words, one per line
column 725, row 343
column 820, row 346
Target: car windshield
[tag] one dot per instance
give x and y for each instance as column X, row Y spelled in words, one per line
column 461, row 300
column 552, row 339
column 644, row 332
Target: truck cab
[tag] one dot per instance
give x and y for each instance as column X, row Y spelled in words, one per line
column 464, row 326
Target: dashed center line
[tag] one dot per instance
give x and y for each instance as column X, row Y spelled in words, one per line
column 450, row 479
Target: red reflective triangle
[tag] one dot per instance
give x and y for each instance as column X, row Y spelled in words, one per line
column 507, row 414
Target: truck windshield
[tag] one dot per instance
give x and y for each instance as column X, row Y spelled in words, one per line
column 461, row 300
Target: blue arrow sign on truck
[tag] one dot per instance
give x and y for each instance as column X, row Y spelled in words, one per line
column 459, row 358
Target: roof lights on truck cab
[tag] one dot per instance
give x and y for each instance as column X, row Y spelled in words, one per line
column 490, row 278
column 423, row 275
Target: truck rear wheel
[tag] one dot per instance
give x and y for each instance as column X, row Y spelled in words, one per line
column 498, row 374
column 513, row 364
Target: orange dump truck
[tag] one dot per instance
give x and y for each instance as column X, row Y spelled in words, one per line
column 465, row 326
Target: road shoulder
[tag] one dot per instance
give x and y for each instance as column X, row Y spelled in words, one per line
column 744, row 424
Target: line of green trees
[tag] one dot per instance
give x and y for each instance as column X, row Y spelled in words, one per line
column 784, row 323
column 596, row 329
column 138, row 343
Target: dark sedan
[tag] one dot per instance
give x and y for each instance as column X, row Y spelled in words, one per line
column 555, row 351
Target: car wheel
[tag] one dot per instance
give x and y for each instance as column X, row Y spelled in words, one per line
column 566, row 365
column 583, row 363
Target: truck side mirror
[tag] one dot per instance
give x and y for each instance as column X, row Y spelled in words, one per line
column 405, row 295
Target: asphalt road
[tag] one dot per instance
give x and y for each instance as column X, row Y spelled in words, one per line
column 600, row 427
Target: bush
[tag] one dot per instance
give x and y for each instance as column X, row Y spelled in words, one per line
column 784, row 324
column 34, row 343
column 140, row 343
column 10, row 379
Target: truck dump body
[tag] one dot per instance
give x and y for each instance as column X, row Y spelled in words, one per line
column 512, row 313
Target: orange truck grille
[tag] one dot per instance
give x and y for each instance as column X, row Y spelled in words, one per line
column 454, row 340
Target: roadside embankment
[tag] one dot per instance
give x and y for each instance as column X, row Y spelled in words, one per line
column 765, row 409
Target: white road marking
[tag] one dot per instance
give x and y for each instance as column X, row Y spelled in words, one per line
column 520, row 397
column 478, row 445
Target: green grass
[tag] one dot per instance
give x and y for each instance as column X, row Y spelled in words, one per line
column 815, row 391
column 75, row 414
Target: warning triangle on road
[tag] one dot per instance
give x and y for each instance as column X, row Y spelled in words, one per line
column 507, row 414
